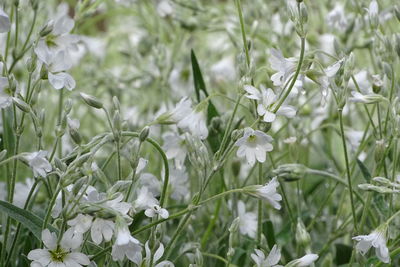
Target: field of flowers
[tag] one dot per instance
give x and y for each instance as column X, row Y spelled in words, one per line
column 159, row 133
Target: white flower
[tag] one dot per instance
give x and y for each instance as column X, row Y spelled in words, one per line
column 271, row 261
column 175, row 148
column 5, row 94
column 164, row 8
column 62, row 255
column 100, row 229
column 376, row 239
column 336, row 17
column 266, row 98
column 4, row 22
column 253, row 145
column 81, row 223
column 38, row 162
column 57, row 63
column 156, row 210
column 157, row 255
column 181, row 110
column 285, row 67
column 195, row 122
column 247, row 221
column 267, row 192
column 151, row 182
column 179, row 184
column 304, row 261
column 144, row 200
column 126, row 245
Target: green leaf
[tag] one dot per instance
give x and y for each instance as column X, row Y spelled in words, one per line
column 365, row 172
column 268, row 229
column 199, row 85
column 197, row 77
column 26, row 218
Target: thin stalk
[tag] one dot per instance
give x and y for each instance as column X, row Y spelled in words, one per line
column 246, row 48
column 260, row 211
column 346, row 157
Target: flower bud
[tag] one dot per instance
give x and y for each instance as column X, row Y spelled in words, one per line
column 92, row 101
column 302, row 236
column 67, row 106
column 60, row 165
column 116, row 104
column 303, row 13
column 31, row 63
column 290, row 172
column 379, row 189
column 79, row 184
column 46, row 29
column 380, row 148
column 236, row 134
column 144, row 134
column 22, row 105
column 234, row 225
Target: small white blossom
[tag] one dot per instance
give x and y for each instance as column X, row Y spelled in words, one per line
column 195, row 122
column 126, row 245
column 271, row 261
column 267, row 192
column 376, row 239
column 247, row 221
column 101, row 229
column 81, row 223
column 164, row 8
column 62, row 255
column 304, row 261
column 175, row 148
column 285, row 67
column 156, row 210
column 38, row 162
column 157, row 256
column 253, row 145
column 336, row 17
column 266, row 98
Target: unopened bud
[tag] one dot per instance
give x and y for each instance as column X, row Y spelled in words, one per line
column 60, row 165
column 117, row 105
column 31, row 64
column 144, row 134
column 22, row 105
column 303, row 13
column 46, row 29
column 302, row 236
column 79, row 184
column 380, row 148
column 236, row 134
column 92, row 101
column 290, row 172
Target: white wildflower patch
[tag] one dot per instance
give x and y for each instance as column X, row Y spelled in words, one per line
column 199, row 133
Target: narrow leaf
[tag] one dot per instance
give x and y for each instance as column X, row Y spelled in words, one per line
column 26, row 218
column 365, row 172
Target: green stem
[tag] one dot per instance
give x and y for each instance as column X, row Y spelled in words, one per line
column 246, row 48
column 340, row 111
column 260, row 211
